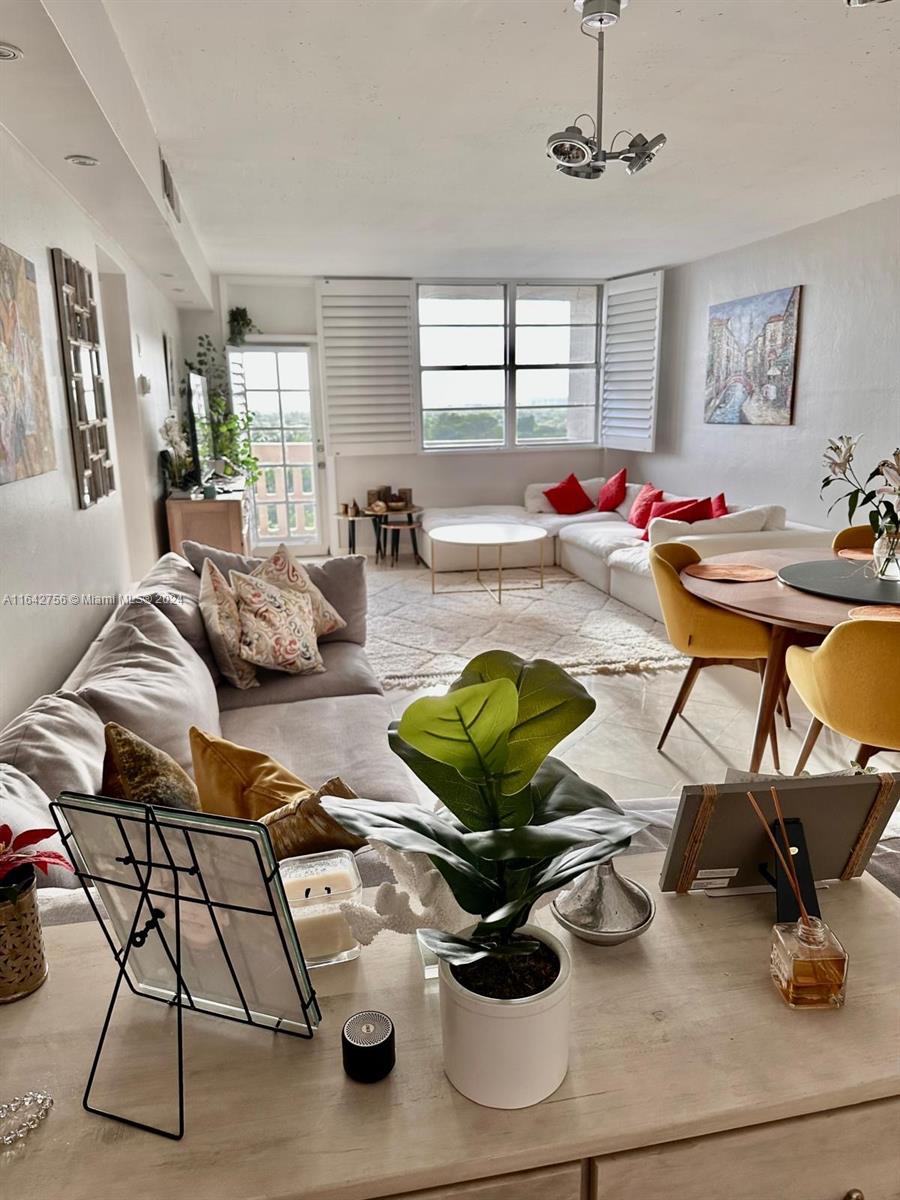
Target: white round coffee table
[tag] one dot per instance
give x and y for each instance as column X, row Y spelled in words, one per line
column 496, row 535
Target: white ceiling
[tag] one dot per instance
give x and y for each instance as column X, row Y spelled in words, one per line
column 382, row 137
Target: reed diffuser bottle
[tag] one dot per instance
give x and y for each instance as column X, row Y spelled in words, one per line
column 808, row 964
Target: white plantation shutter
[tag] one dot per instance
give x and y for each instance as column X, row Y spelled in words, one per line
column 365, row 332
column 632, row 324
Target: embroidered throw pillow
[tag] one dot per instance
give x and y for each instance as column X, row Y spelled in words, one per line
column 219, row 610
column 284, row 571
column 135, row 770
column 278, row 629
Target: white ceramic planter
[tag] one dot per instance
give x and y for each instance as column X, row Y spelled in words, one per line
column 507, row 1053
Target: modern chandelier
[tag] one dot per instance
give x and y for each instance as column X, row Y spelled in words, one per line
column 579, row 154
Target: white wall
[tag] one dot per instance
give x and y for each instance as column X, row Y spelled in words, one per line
column 47, row 543
column 848, row 364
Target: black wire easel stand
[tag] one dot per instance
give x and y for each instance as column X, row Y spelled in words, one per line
column 150, row 901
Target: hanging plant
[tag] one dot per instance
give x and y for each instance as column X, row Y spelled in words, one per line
column 239, row 325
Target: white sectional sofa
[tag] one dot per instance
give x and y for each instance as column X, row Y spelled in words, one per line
column 604, row 549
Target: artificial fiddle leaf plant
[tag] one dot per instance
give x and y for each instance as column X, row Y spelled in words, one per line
column 515, row 823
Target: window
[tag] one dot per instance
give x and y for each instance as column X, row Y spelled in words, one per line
column 508, row 364
column 273, row 385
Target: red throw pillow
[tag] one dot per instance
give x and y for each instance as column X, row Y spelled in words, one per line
column 643, row 502
column 569, row 497
column 613, row 492
column 719, row 507
column 680, row 510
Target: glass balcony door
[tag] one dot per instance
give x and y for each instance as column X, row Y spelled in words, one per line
column 276, row 386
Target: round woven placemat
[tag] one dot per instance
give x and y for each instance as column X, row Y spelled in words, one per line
column 876, row 612
column 856, row 555
column 729, row 572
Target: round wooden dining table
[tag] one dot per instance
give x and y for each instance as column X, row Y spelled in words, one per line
column 795, row 617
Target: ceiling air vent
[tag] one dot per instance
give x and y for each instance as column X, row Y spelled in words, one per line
column 168, row 187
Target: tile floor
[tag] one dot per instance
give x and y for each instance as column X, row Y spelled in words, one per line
column 616, row 747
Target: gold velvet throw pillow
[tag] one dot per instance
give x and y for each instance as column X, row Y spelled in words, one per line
column 236, row 781
column 135, row 770
column 302, row 826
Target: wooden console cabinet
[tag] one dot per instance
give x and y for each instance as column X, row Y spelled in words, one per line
column 222, row 522
column 689, row 1078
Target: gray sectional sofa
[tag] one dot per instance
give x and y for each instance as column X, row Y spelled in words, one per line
column 151, row 670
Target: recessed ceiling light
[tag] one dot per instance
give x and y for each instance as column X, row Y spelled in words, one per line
column 9, row 52
column 82, row 160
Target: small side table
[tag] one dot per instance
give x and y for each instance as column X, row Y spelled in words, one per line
column 381, row 524
column 411, row 527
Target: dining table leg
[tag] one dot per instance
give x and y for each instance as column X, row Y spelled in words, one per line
column 773, row 677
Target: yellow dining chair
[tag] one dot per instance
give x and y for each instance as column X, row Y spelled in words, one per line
column 850, row 683
column 710, row 635
column 854, row 537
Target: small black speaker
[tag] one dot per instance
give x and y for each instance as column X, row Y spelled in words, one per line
column 367, row 1046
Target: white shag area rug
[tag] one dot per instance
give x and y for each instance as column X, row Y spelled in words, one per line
column 416, row 639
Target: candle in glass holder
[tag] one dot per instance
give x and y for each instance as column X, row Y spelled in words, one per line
column 316, row 885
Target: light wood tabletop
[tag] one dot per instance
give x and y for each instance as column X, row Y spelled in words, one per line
column 676, row 1035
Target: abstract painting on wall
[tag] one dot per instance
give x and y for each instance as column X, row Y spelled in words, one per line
column 750, row 359
column 26, row 435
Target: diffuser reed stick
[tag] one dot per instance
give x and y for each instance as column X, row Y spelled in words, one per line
column 795, row 881
column 788, row 866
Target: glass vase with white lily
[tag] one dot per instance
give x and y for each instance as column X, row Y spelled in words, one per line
column 882, row 499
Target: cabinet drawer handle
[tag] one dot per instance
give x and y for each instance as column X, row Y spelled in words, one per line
column 854, row 1194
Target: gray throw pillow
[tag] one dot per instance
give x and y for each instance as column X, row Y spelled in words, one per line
column 342, row 581
column 144, row 677
column 58, row 743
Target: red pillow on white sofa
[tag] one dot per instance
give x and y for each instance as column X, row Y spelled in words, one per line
column 569, row 498
column 643, row 502
column 680, row 510
column 613, row 492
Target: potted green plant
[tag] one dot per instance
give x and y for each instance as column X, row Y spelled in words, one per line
column 515, row 824
column 230, row 431
column 23, row 966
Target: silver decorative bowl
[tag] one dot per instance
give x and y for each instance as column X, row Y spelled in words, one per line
column 604, row 907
